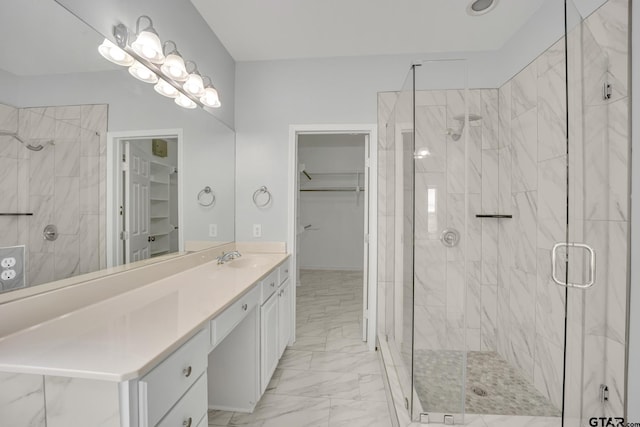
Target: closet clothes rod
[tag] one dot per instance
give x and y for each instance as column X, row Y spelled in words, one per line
column 352, row 190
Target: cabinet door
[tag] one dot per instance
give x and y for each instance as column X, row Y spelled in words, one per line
column 284, row 317
column 268, row 340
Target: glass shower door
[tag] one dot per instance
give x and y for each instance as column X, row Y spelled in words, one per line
column 596, row 249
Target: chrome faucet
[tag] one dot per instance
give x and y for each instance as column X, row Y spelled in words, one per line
column 226, row 256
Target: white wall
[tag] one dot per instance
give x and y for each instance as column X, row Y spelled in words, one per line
column 335, row 239
column 176, row 20
column 633, row 375
column 271, row 95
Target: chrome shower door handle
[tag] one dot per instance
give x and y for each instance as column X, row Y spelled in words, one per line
column 592, row 265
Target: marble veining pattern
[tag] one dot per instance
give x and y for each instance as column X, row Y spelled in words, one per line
column 328, row 377
column 63, row 184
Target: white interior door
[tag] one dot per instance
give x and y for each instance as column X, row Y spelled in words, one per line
column 365, row 262
column 137, row 200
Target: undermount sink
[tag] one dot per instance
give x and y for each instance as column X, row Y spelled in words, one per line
column 248, row 262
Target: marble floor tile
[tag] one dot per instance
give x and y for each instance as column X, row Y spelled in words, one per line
column 278, row 411
column 219, row 418
column 366, row 363
column 349, row 413
column 340, row 385
column 310, row 343
column 328, row 377
column 295, row 359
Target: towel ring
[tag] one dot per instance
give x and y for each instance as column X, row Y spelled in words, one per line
column 258, row 193
column 203, row 192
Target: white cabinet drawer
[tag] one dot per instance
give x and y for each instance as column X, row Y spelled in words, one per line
column 268, row 286
column 225, row 322
column 283, row 270
column 190, row 409
column 161, row 388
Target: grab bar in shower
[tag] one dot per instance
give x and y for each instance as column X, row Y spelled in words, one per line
column 493, row 216
column 16, row 213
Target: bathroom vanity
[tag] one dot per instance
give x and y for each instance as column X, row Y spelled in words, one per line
column 157, row 354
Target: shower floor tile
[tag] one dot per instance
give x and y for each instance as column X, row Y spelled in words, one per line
column 438, row 377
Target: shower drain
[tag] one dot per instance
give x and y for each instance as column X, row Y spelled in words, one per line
column 479, row 391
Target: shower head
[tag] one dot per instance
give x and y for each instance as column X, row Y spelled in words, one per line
column 456, row 134
column 27, row 145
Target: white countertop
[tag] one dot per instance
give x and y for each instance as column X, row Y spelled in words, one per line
column 124, row 336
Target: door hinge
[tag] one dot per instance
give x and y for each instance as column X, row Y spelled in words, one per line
column 124, row 235
column 366, row 314
column 367, row 162
column 125, row 164
column 366, row 238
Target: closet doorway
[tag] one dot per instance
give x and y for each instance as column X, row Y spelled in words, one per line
column 333, row 195
column 145, row 215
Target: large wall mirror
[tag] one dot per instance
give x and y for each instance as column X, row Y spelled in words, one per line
column 86, row 151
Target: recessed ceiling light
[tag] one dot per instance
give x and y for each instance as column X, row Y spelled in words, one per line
column 480, row 7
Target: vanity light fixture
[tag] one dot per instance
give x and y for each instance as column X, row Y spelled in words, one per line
column 210, row 97
column 174, row 65
column 143, row 73
column 147, row 43
column 151, row 61
column 184, row 101
column 166, row 89
column 194, row 84
column 113, row 53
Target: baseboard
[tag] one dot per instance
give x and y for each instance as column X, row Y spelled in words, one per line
column 232, row 409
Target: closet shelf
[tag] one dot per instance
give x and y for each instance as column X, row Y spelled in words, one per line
column 346, row 189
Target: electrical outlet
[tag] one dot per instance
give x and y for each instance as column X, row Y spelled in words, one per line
column 213, row 230
column 8, row 274
column 12, row 267
column 8, row 262
column 257, row 230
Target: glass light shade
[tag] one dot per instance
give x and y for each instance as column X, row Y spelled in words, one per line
column 210, row 98
column 113, row 53
column 148, row 45
column 194, row 85
column 142, row 73
column 183, row 101
column 174, row 68
column 165, row 89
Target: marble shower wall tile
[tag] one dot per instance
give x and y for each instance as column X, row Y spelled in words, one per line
column 58, row 184
column 609, row 26
column 524, row 151
column 430, row 135
column 8, row 118
column 552, row 134
column 504, row 112
column 524, row 92
column 490, row 181
column 490, row 118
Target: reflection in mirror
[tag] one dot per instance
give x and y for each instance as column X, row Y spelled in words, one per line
column 67, row 117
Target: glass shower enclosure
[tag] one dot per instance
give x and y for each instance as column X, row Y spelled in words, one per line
column 503, row 215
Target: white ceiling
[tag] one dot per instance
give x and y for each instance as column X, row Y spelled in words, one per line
column 283, row 29
column 41, row 37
